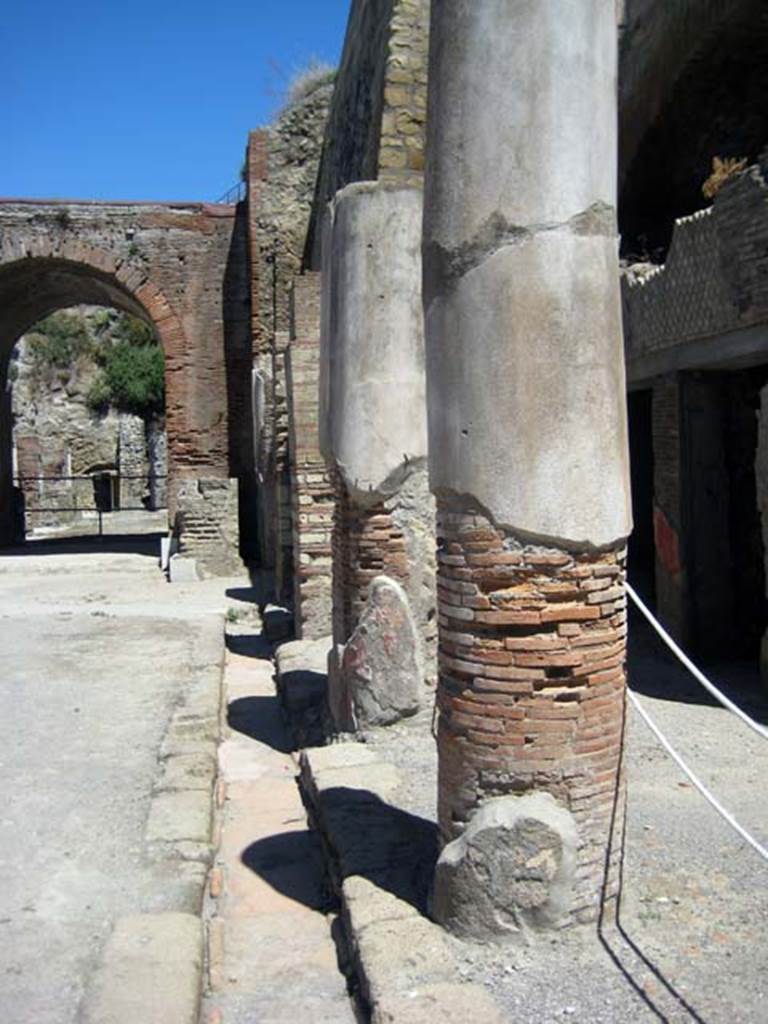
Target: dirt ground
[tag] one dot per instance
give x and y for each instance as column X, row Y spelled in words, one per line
column 689, row 945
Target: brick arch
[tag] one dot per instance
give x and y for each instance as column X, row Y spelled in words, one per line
column 130, row 280
column 181, row 267
column 95, row 277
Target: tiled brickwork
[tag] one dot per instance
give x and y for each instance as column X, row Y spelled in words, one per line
column 715, row 278
column 531, row 691
column 312, row 491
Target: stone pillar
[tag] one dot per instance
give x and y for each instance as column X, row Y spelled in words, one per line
column 527, row 440
column 672, row 604
column 761, row 482
column 311, row 488
column 7, row 502
column 373, row 411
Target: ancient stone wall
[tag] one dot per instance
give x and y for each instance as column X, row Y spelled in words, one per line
column 377, row 122
column 281, row 169
column 57, row 433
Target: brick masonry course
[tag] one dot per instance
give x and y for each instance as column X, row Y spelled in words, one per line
column 531, row 685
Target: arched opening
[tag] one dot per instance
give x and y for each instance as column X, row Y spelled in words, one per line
column 88, row 418
column 92, row 351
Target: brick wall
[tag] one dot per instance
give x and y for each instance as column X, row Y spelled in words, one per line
column 312, row 492
column 532, row 685
column 206, row 521
column 183, row 267
column 394, row 538
column 281, row 169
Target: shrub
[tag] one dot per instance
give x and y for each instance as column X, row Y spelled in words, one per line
column 307, row 79
column 722, row 170
column 58, row 341
column 132, row 378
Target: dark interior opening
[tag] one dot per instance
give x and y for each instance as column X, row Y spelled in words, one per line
column 724, row 536
column 717, row 108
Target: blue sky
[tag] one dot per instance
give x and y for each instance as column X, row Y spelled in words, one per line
column 147, row 100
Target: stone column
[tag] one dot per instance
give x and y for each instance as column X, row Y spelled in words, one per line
column 373, row 408
column 527, row 451
column 311, row 488
column 7, row 509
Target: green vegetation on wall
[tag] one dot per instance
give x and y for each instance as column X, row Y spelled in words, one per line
column 132, row 377
column 130, row 370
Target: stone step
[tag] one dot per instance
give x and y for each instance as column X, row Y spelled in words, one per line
column 381, row 860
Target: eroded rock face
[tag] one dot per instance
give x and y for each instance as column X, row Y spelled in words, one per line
column 377, row 678
column 510, row 872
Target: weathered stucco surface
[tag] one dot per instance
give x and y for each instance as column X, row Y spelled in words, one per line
column 375, row 432
column 525, row 367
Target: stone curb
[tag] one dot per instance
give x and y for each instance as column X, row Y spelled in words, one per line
column 152, row 966
column 405, row 966
column 150, row 972
column 180, row 820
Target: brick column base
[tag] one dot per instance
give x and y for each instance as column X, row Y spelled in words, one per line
column 366, row 543
column 531, row 686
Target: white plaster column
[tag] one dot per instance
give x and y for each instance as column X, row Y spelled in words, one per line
column 527, row 414
column 373, row 430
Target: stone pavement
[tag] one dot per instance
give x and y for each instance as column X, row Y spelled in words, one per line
column 271, row 953
column 109, row 701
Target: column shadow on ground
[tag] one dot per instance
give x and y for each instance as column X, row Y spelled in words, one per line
column 292, row 864
column 250, row 645
column 260, row 719
column 364, row 835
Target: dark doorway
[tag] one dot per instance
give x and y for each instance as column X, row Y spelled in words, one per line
column 723, row 533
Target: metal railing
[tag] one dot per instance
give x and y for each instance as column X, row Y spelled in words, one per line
column 721, row 698
column 233, row 195
column 106, row 492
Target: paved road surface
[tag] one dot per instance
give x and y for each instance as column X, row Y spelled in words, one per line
column 95, row 650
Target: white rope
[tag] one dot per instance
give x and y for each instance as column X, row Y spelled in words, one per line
column 726, row 815
column 717, row 694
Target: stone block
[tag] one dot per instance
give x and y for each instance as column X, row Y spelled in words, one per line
column 380, row 675
column 278, row 622
column 182, row 569
column 510, row 872
column 150, row 973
